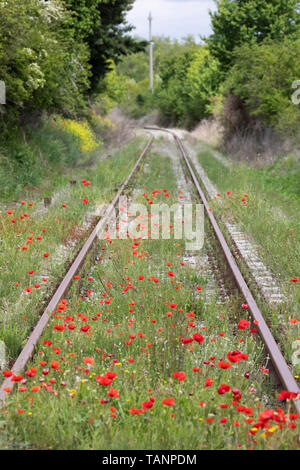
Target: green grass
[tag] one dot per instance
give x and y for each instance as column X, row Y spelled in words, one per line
column 43, row 155
column 271, row 218
column 65, row 232
column 73, row 411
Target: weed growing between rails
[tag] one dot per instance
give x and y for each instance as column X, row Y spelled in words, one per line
column 37, row 245
column 132, row 360
column 271, row 216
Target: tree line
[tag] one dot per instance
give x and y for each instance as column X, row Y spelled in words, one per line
column 55, row 54
column 242, row 73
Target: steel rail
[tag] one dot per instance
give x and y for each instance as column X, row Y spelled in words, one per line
column 281, row 367
column 28, row 349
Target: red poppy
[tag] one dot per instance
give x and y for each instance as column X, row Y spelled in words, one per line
column 179, row 375
column 236, row 356
column 208, row 382
column 7, row 373
column 168, row 401
column 54, row 364
column 243, row 324
column 224, row 365
column 286, row 395
column 223, row 389
column 113, row 393
column 102, row 380
column 147, row 405
column 17, row 378
column 197, row 337
column 187, row 340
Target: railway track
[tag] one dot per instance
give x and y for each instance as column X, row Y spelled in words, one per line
column 28, row 349
column 281, row 367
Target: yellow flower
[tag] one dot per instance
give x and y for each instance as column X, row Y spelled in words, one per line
column 82, row 130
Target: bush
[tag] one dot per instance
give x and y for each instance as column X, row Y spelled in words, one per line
column 190, row 78
column 30, row 155
column 261, row 82
column 41, row 70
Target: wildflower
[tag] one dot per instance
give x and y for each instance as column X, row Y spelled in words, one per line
column 147, row 405
column 224, row 365
column 236, row 356
column 197, row 337
column 168, row 401
column 243, row 324
column 187, row 340
column 112, row 392
column 223, row 389
column 7, row 373
column 102, row 380
column 54, row 364
column 286, row 395
column 179, row 375
column 88, row 360
column 208, row 382
column 17, row 378
column 136, row 411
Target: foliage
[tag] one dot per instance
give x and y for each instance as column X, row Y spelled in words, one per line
column 262, row 78
column 102, row 26
column 82, row 131
column 185, row 79
column 245, row 21
column 113, row 89
column 32, row 154
column 40, row 70
column 52, row 53
column 134, row 69
column 189, row 79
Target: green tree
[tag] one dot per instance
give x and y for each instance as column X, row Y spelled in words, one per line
column 262, row 78
column 242, row 21
column 40, row 69
column 101, row 24
column 189, row 78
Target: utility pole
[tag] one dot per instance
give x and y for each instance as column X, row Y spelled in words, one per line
column 150, row 18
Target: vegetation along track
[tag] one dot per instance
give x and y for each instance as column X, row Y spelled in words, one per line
column 28, row 350
column 160, row 358
column 282, row 369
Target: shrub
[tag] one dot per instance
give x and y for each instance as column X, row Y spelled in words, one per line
column 261, row 81
column 82, row 131
column 190, row 78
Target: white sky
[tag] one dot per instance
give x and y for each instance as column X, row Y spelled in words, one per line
column 172, row 18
